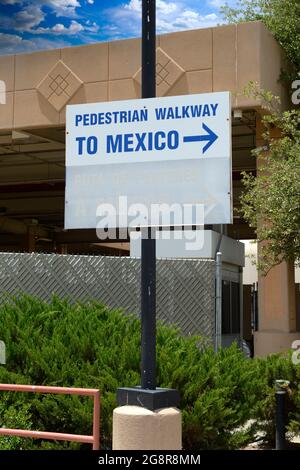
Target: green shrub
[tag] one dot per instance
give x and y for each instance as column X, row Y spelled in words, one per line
column 270, row 369
column 14, row 418
column 88, row 345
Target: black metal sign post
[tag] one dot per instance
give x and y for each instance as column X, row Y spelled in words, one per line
column 147, row 395
column 148, row 251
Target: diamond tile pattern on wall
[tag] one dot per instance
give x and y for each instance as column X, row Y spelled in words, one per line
column 168, row 72
column 185, row 289
column 59, row 85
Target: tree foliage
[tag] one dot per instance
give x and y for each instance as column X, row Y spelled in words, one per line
column 271, row 200
column 281, row 17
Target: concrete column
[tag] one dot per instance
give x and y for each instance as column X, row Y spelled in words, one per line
column 277, row 311
column 276, row 303
column 137, row 428
column 277, row 299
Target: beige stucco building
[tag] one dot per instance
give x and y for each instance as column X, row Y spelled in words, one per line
column 32, row 136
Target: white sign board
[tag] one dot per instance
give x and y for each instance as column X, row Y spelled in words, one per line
column 173, row 150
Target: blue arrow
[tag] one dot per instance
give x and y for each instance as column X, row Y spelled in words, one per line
column 210, row 137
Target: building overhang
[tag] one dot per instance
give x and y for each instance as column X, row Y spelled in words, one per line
column 40, row 85
column 224, row 58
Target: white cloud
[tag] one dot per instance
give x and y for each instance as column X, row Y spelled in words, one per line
column 11, row 2
column 28, row 18
column 91, row 27
column 61, row 29
column 74, row 28
column 220, row 3
column 216, row 3
column 134, row 5
column 15, row 44
column 171, row 16
column 162, row 6
column 165, row 8
column 60, row 7
column 9, row 39
column 63, row 7
column 212, row 17
column 31, row 14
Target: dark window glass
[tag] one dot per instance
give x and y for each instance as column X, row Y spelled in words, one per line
column 235, row 307
column 226, row 308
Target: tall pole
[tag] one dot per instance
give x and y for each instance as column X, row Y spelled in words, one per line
column 218, row 306
column 148, row 251
column 147, row 395
column 149, row 49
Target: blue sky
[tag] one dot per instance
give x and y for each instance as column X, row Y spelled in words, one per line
column 31, row 25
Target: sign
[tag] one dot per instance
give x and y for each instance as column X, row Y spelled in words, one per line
column 173, row 150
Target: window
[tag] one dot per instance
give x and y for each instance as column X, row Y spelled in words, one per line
column 230, row 307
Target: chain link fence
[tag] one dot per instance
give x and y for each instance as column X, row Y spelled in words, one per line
column 185, row 294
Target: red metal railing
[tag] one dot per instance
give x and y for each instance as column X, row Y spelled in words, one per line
column 94, row 439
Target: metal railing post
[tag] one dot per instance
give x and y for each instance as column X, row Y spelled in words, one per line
column 280, row 396
column 96, row 421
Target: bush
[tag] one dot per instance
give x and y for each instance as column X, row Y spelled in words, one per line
column 88, row 345
column 276, row 366
column 14, row 416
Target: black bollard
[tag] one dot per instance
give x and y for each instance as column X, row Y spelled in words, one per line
column 280, row 394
